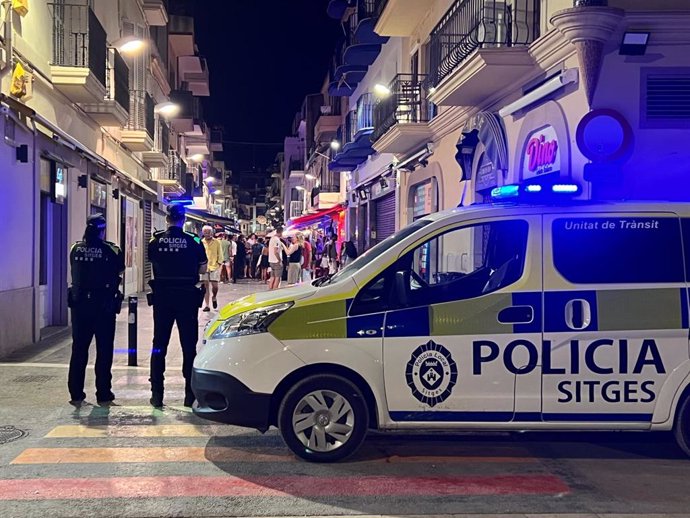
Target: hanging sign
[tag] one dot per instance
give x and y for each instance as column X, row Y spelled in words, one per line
column 21, row 7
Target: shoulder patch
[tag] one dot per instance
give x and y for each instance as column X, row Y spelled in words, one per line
column 113, row 247
column 198, row 240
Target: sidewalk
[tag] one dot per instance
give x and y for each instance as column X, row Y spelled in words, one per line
column 56, row 350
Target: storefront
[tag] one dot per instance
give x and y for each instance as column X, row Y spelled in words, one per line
column 424, row 198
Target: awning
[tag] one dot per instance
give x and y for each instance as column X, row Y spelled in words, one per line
column 312, row 219
column 212, row 218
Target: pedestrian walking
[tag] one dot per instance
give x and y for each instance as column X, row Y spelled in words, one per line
column 225, row 246
column 307, row 258
column 240, row 259
column 275, row 259
column 331, row 254
column 178, row 259
column 294, row 252
column 249, row 244
column 212, row 275
column 263, row 262
column 257, row 247
column 94, row 299
column 348, row 252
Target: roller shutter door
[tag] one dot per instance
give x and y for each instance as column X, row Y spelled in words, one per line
column 385, row 217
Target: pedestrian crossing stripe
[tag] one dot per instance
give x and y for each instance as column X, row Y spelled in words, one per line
column 168, row 430
column 279, row 486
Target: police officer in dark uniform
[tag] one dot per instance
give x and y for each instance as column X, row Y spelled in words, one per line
column 178, row 258
column 95, row 299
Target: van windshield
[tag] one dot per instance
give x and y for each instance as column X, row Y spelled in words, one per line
column 373, row 253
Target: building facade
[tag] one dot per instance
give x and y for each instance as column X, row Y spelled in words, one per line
column 450, row 99
column 100, row 114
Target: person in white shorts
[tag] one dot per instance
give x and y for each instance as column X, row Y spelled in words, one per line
column 214, row 255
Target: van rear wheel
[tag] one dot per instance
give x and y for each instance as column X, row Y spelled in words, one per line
column 323, row 418
column 681, row 427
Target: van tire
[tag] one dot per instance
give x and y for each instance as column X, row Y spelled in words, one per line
column 681, row 428
column 348, row 415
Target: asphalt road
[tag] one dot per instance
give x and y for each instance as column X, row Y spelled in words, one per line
column 129, row 460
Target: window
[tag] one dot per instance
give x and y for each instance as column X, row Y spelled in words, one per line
column 618, row 249
column 461, row 264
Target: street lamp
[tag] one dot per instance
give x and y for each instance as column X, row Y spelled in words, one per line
column 310, row 176
column 167, row 109
column 335, row 145
column 381, row 90
column 130, row 44
column 197, row 157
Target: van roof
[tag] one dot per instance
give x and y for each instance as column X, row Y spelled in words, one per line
column 495, row 209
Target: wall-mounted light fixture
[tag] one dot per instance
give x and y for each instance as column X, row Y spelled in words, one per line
column 634, row 43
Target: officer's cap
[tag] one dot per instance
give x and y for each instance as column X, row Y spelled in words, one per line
column 176, row 212
column 96, row 221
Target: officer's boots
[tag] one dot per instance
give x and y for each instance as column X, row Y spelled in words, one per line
column 188, row 397
column 156, row 398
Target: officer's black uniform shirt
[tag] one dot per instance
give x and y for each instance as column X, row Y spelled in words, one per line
column 96, row 266
column 176, row 256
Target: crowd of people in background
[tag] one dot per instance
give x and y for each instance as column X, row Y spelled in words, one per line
column 292, row 259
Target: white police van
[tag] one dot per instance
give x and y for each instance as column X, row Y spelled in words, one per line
column 490, row 317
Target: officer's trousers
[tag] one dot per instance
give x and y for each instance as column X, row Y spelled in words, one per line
column 167, row 310
column 89, row 320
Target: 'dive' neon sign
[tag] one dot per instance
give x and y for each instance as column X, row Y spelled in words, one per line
column 542, row 154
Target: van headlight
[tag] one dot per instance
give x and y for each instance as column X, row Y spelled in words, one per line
column 250, row 322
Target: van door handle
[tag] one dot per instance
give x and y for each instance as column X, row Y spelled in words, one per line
column 516, row 315
column 578, row 314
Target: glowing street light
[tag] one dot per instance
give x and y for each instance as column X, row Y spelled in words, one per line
column 335, row 145
column 167, row 109
column 197, row 157
column 381, row 90
column 130, row 45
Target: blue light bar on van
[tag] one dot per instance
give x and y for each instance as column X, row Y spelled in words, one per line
column 506, row 191
column 565, row 188
column 182, row 202
column 535, row 192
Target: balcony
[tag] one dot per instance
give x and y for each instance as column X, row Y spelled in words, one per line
column 184, row 121
column 362, row 44
column 113, row 110
column 156, row 12
column 356, row 144
column 479, row 43
column 216, row 141
column 328, row 122
column 401, row 119
column 78, row 66
column 344, row 78
column 193, row 71
column 172, row 178
column 400, row 17
column 181, row 34
column 336, row 8
column 141, row 128
column 159, row 155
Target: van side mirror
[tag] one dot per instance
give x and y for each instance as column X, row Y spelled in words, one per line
column 401, row 288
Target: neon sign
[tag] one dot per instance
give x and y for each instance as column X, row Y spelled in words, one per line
column 542, row 153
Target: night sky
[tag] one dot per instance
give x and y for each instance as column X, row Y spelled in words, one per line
column 264, row 56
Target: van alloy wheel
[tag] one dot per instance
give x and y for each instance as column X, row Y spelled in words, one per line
column 323, row 420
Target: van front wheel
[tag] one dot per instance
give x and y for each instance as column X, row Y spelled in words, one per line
column 681, row 427
column 323, row 418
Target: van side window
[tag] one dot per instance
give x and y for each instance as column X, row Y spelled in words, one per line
column 461, row 264
column 618, row 249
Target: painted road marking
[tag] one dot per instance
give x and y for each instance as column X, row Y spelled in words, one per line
column 222, row 454
column 271, row 486
column 168, row 430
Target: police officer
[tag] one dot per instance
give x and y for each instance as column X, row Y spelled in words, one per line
column 178, row 258
column 95, row 299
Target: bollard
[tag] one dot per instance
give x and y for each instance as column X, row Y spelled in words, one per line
column 132, row 332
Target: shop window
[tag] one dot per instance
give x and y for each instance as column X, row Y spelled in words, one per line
column 618, row 249
column 461, row 264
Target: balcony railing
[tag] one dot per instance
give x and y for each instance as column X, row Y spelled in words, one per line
column 477, row 24
column 177, row 169
column 296, row 208
column 141, row 112
column 406, row 104
column 117, row 79
column 365, row 112
column 79, row 39
column 161, row 141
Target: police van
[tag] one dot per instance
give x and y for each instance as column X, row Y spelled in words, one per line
column 503, row 316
